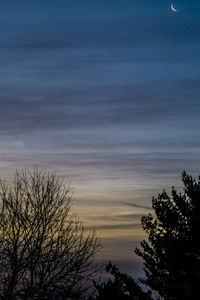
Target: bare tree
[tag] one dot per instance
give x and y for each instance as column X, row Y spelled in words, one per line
column 45, row 253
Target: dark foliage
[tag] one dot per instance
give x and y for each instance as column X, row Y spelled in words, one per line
column 45, row 252
column 172, row 253
column 123, row 287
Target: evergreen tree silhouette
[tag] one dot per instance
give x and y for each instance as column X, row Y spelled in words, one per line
column 172, row 253
column 122, row 287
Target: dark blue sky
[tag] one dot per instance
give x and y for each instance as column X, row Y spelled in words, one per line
column 107, row 93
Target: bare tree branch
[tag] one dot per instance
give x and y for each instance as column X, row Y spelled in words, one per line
column 45, row 253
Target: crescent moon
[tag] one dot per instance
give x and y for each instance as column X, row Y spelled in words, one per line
column 173, row 8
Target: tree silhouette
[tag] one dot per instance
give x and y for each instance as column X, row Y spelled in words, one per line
column 45, row 252
column 172, row 253
column 123, row 287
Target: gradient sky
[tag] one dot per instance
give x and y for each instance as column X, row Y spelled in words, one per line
column 106, row 93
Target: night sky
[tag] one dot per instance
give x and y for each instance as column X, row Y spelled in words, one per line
column 107, row 93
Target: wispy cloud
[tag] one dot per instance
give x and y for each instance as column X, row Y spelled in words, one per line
column 105, row 92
